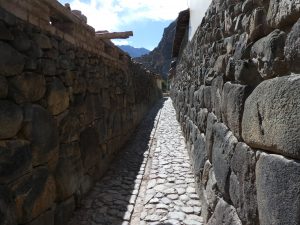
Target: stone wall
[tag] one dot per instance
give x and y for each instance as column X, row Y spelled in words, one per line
column 67, row 105
column 236, row 93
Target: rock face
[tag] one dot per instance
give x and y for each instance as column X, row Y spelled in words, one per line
column 277, row 180
column 237, row 84
column 12, row 62
column 292, row 46
column 271, row 117
column 66, row 109
column 28, row 87
column 269, row 53
column 134, row 52
column 57, row 97
column 283, row 13
column 159, row 59
column 11, row 118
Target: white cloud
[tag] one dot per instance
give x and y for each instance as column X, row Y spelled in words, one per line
column 111, row 14
column 197, row 12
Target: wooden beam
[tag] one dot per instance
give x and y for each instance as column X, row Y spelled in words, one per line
column 101, row 31
column 115, row 35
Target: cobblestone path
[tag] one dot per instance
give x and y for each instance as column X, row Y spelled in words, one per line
column 149, row 183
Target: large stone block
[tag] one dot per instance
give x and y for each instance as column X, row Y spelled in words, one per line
column 198, row 97
column 242, row 183
column 230, row 69
column 11, row 118
column 222, row 151
column 42, row 41
column 46, row 218
column 7, row 209
column 191, row 95
column 292, row 46
column 283, row 13
column 89, row 147
column 40, row 129
column 64, row 62
column 102, row 129
column 47, row 66
column 69, row 128
column 69, row 171
column 21, row 41
column 57, row 97
column 88, row 180
column 268, row 54
column 233, row 100
column 224, row 214
column 211, row 120
column 15, row 160
column 220, row 64
column 278, row 189
column 208, row 192
column 106, row 102
column 34, row 195
column 241, row 47
column 198, row 155
column 207, row 97
column 271, row 116
column 3, row 87
column 90, row 109
column 11, row 61
column 5, row 33
column 216, row 95
column 258, row 24
column 79, row 85
column 94, row 84
column 202, row 119
column 246, row 73
column 228, row 44
column 28, row 87
column 117, row 123
column 63, row 211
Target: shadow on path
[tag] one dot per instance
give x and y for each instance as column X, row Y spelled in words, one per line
column 112, row 200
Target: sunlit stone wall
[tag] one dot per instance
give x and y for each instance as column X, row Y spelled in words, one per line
column 236, row 93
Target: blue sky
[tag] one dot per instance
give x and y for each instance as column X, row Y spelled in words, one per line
column 146, row 18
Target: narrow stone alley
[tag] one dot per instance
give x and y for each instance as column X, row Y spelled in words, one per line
column 150, row 182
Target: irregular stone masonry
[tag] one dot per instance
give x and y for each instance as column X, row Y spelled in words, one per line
column 113, row 198
column 236, row 94
column 50, row 16
column 65, row 112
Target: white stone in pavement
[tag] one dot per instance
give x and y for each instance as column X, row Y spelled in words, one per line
column 187, row 210
column 166, row 200
column 161, row 206
column 173, row 196
column 177, row 215
column 152, row 218
column 151, row 184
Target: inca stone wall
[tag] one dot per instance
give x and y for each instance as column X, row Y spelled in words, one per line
column 236, row 93
column 66, row 109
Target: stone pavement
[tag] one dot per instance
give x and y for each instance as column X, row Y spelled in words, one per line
column 149, row 183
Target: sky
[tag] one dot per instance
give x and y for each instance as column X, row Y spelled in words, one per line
column 146, row 18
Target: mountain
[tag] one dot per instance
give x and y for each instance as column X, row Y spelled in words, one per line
column 132, row 51
column 160, row 58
